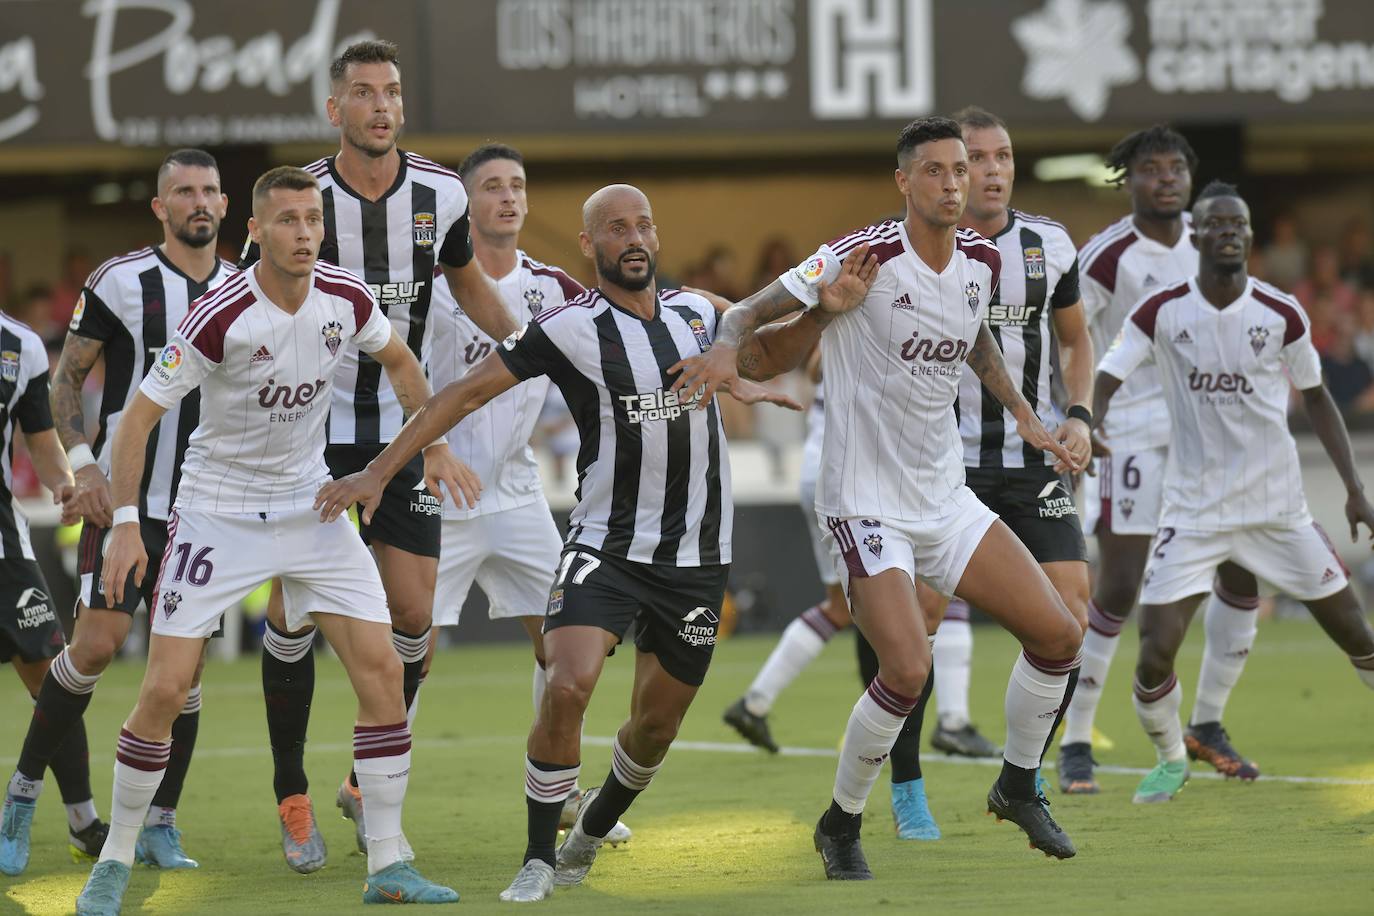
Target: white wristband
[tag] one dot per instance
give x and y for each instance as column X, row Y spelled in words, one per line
column 125, row 514
column 80, row 456
column 442, row 440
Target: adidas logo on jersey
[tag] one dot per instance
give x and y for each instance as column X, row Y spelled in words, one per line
column 1149, row 280
column 1328, row 576
column 1183, row 337
column 903, row 302
column 261, row 356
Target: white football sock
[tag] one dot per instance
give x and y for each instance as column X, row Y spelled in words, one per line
column 381, row 758
column 1099, row 646
column 1230, row 622
column 1035, row 692
column 1158, row 709
column 139, row 766
column 873, row 727
column 798, row 647
column 953, row 659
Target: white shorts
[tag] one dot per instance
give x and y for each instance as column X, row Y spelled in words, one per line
column 822, row 547
column 937, row 551
column 1297, row 561
column 1126, row 495
column 512, row 555
column 213, row 560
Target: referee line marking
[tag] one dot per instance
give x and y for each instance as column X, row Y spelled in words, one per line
column 717, row 747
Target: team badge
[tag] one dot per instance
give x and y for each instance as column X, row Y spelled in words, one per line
column 1259, row 336
column 168, row 362
column 874, row 543
column 9, row 366
column 333, row 336
column 699, row 332
column 534, row 298
column 424, row 230
column 170, row 602
column 78, row 311
column 1126, row 505
column 971, row 291
column 555, row 601
column 1035, row 263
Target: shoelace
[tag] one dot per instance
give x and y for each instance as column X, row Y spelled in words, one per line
column 298, row 821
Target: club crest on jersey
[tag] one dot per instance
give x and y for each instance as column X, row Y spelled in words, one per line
column 168, row 362
column 971, row 291
column 874, row 543
column 424, row 230
column 170, row 602
column 1259, row 336
column 534, row 298
column 555, row 601
column 1126, row 505
column 699, row 332
column 333, row 336
column 9, row 366
column 1035, row 263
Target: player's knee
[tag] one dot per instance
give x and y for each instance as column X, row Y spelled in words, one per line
column 906, row 675
column 91, row 652
column 567, row 697
column 657, row 728
column 1116, row 593
column 1154, row 664
column 163, row 695
column 411, row 616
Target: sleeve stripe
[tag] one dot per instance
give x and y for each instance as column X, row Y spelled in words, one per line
column 1146, row 315
column 1104, row 238
column 99, row 273
column 201, row 309
column 1294, row 324
column 1102, row 264
column 873, row 235
column 209, row 335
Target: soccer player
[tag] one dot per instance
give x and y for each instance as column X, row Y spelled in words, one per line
column 508, row 543
column 1144, row 251
column 391, row 218
column 263, row 348
column 892, row 480
column 651, row 533
column 1225, row 347
column 127, row 311
column 30, row 633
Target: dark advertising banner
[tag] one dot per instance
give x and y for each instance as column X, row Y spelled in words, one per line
column 163, row 72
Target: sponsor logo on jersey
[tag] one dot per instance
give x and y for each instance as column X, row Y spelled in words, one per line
column 403, row 292
column 333, row 336
column 424, row 502
column 699, row 627
column 811, row 270
column 424, row 230
column 1126, row 505
column 297, row 402
column 9, row 365
column 929, row 350
column 1210, row 384
column 262, row 356
column 1259, row 336
column 1183, row 337
column 874, row 543
column 168, row 362
column 1011, row 315
column 1055, row 501
column 971, row 292
column 903, row 302
column 656, row 405
column 170, row 602
column 78, row 312
column 699, row 332
column 534, row 298
column 475, row 350
column 33, row 609
column 1035, row 263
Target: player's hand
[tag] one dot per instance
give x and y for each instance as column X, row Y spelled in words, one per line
column 1357, row 510
column 1100, row 450
column 747, row 392
column 91, row 498
column 65, row 496
column 123, row 552
column 443, row 468
column 335, row 497
column 1075, row 436
column 1033, row 432
column 718, row 302
column 702, row 376
column 857, row 273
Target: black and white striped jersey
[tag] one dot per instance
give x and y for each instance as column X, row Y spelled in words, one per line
column 24, row 400
column 653, row 472
column 393, row 245
column 1039, row 275
column 132, row 304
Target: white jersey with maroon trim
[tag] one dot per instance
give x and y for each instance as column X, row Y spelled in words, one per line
column 495, row 441
column 1225, row 374
column 892, row 369
column 1119, row 267
column 265, row 377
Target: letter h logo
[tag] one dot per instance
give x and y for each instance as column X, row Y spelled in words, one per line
column 882, row 44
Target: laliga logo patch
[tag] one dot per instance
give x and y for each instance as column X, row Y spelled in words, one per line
column 333, row 336
column 1259, row 336
column 168, row 362
column 1035, row 263
column 510, row 342
column 78, row 311
column 874, row 543
column 812, row 270
column 699, row 332
column 534, row 298
column 9, row 366
column 971, row 291
column 424, row 230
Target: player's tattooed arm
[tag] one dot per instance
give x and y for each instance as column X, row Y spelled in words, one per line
column 987, row 363
column 78, row 356
column 1330, row 428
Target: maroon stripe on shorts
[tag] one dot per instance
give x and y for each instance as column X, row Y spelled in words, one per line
column 848, row 549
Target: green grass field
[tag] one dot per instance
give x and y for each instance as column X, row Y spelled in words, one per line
column 721, row 831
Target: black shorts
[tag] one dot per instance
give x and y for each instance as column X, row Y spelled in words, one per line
column 29, row 627
column 407, row 518
column 676, row 609
column 91, row 561
column 1037, row 505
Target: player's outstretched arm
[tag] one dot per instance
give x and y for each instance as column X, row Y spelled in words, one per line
column 480, row 298
column 50, row 464
column 987, row 363
column 412, row 390
column 91, row 497
column 1330, row 428
column 124, row 549
column 747, row 392
column 434, row 419
column 1076, row 361
column 1103, row 388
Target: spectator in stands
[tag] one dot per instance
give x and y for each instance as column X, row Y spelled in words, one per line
column 1285, row 257
column 75, row 269
column 1357, row 261
column 1364, row 332
column 775, row 257
column 1325, row 296
column 1349, row 378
